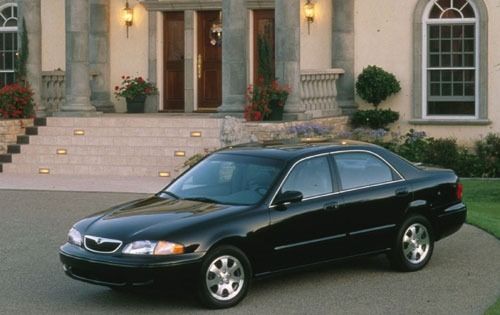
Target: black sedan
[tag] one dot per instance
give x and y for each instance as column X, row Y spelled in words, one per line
column 246, row 212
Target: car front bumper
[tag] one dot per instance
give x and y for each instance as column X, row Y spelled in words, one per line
column 121, row 271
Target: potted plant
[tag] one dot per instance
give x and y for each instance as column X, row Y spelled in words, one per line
column 266, row 100
column 135, row 90
column 16, row 101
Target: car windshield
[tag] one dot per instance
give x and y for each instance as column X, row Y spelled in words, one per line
column 228, row 179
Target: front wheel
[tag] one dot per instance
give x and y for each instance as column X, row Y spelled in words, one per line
column 414, row 244
column 224, row 278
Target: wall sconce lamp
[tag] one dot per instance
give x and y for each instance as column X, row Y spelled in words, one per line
column 309, row 13
column 128, row 15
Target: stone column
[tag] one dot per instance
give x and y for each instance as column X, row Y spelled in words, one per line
column 152, row 101
column 234, row 54
column 287, row 19
column 99, row 56
column 343, row 52
column 77, row 60
column 31, row 12
column 188, row 61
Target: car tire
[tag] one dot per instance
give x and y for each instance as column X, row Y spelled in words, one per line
column 414, row 244
column 224, row 277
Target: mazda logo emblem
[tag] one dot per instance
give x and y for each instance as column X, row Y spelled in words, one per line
column 99, row 241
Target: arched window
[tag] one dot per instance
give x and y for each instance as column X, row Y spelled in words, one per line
column 451, row 58
column 450, row 41
column 8, row 43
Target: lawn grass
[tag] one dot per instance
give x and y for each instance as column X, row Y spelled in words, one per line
column 482, row 198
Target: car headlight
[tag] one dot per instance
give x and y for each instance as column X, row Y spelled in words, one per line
column 74, row 237
column 153, row 248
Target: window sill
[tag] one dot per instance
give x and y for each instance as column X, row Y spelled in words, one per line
column 451, row 122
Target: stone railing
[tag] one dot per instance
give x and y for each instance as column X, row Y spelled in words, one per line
column 53, row 90
column 318, row 90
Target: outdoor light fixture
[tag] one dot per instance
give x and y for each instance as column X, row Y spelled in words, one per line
column 62, row 151
column 79, row 132
column 309, row 12
column 195, row 134
column 180, row 153
column 164, row 174
column 128, row 16
column 43, row 171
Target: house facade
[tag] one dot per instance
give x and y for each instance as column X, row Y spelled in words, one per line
column 202, row 55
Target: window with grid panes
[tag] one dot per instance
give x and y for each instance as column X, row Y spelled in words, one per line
column 451, row 64
column 8, row 43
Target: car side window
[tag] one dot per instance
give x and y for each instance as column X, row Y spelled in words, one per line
column 361, row 169
column 311, row 177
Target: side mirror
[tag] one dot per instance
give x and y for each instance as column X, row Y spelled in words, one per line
column 289, row 196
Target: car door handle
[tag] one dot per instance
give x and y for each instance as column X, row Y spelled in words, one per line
column 331, row 206
column 402, row 192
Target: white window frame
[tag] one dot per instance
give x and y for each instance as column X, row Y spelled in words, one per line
column 10, row 29
column 426, row 21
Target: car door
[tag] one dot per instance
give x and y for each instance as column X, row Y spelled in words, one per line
column 375, row 197
column 313, row 229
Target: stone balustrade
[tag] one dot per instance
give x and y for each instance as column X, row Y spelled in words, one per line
column 53, row 90
column 318, row 90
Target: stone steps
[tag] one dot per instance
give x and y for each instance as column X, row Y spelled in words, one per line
column 113, row 145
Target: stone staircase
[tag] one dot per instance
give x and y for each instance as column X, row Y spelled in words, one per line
column 112, row 145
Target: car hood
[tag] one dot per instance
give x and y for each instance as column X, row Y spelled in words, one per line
column 152, row 218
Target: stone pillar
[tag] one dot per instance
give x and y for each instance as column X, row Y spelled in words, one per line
column 188, row 61
column 31, row 12
column 99, row 56
column 234, row 54
column 287, row 19
column 77, row 61
column 343, row 52
column 152, row 101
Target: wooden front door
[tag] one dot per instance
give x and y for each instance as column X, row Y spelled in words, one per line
column 208, row 63
column 174, row 61
column 263, row 43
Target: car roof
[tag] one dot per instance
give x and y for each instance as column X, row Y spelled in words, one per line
column 291, row 151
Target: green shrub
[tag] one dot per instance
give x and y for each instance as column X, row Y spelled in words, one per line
column 374, row 118
column 375, row 85
column 441, row 152
column 488, row 151
column 412, row 146
column 16, row 101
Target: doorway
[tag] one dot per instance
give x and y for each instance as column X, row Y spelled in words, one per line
column 174, row 61
column 209, row 62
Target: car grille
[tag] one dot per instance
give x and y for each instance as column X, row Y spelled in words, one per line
column 101, row 245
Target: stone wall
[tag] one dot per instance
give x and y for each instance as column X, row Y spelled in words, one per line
column 10, row 129
column 236, row 131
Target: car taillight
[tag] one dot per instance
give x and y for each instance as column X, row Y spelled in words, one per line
column 460, row 191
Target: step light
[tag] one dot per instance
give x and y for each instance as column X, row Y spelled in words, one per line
column 180, row 153
column 163, row 174
column 195, row 134
column 79, row 132
column 62, row 151
column 44, row 171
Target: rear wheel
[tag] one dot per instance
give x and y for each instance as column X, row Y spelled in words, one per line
column 224, row 278
column 414, row 244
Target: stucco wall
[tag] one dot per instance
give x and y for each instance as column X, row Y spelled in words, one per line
column 315, row 48
column 384, row 31
column 53, row 35
column 129, row 56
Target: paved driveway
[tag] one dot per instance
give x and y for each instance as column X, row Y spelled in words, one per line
column 463, row 276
